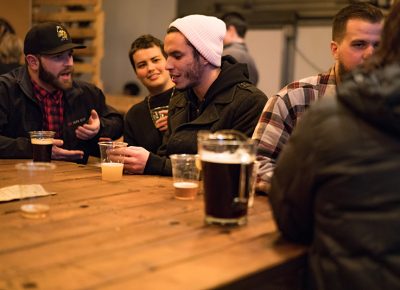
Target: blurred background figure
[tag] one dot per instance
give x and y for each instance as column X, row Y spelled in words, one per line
column 5, row 27
column 131, row 89
column 336, row 185
column 234, row 43
column 10, row 47
column 10, row 52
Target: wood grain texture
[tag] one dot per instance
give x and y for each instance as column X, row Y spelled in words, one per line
column 132, row 235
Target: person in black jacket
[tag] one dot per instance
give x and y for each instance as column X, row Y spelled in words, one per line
column 42, row 95
column 336, row 185
column 148, row 60
column 218, row 94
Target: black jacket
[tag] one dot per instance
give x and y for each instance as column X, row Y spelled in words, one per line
column 20, row 113
column 139, row 129
column 231, row 102
column 337, row 184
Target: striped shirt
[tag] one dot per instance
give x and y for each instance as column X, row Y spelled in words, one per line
column 281, row 114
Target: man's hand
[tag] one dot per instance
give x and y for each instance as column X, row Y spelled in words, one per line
column 89, row 130
column 135, row 158
column 62, row 154
column 162, row 123
column 263, row 187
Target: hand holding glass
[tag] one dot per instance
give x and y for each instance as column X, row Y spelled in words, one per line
column 112, row 160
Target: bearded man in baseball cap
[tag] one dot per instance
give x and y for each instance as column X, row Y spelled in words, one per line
column 42, row 95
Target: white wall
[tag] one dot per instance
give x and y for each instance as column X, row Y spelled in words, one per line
column 314, row 43
column 125, row 20
column 266, row 47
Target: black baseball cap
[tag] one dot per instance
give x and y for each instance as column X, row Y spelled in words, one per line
column 48, row 38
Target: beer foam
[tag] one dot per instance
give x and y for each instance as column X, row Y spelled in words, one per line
column 44, row 141
column 238, row 157
column 112, row 164
column 185, row 184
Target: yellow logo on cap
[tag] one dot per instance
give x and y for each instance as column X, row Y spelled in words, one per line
column 61, row 33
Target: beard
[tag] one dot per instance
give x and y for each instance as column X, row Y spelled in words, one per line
column 343, row 71
column 194, row 74
column 51, row 79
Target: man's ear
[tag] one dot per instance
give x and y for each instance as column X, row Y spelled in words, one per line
column 231, row 32
column 32, row 61
column 335, row 49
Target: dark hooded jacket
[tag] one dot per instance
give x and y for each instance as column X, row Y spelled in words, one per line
column 21, row 112
column 231, row 102
column 337, row 184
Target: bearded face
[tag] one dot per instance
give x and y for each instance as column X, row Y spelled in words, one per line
column 55, row 73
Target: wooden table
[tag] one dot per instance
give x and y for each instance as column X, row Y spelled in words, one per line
column 134, row 235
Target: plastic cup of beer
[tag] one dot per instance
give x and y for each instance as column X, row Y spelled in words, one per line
column 185, row 175
column 42, row 142
column 34, row 178
column 112, row 156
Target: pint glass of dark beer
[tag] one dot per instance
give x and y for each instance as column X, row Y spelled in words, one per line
column 227, row 159
column 42, row 142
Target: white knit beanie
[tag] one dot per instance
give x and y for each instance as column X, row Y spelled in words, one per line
column 205, row 33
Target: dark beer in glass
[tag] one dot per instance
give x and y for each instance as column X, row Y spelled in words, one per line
column 42, row 143
column 226, row 190
column 227, row 166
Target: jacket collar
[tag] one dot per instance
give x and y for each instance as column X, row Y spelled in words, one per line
column 225, row 97
column 210, row 113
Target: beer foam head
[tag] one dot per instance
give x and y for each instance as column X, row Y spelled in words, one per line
column 112, row 164
column 237, row 157
column 186, row 184
column 44, row 141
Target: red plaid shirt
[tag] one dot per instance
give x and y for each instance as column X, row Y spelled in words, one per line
column 53, row 108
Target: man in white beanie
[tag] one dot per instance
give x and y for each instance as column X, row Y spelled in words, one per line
column 217, row 93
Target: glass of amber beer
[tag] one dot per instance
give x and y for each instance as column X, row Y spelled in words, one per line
column 42, row 142
column 227, row 159
column 112, row 160
column 186, row 175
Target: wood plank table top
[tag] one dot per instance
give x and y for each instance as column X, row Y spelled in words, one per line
column 133, row 234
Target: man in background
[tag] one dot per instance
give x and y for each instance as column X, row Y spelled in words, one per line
column 356, row 33
column 42, row 95
column 234, row 43
column 336, row 185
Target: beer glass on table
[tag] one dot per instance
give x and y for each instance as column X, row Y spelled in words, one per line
column 34, row 181
column 112, row 160
column 42, row 143
column 186, row 174
column 227, row 159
